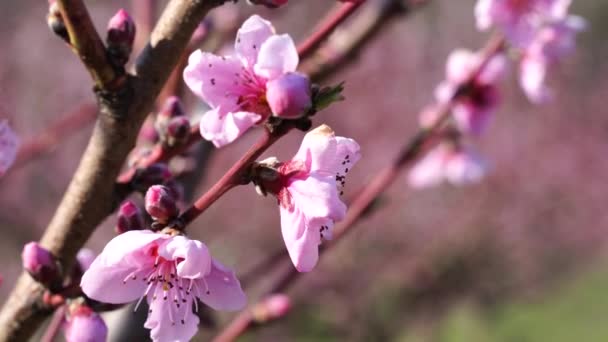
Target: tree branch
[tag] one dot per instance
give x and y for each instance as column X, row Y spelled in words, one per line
column 89, row 197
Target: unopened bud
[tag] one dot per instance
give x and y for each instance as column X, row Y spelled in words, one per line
column 171, row 109
column 289, row 95
column 147, row 133
column 178, row 131
column 83, row 324
column 161, row 204
column 55, row 22
column 273, row 307
column 121, row 34
column 154, row 174
column 130, row 217
column 41, row 264
column 268, row 3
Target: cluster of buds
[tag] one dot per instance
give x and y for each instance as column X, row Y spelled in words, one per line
column 172, row 125
column 120, row 38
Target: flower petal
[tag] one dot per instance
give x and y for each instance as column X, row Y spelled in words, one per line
column 493, row 70
column 532, row 79
column 466, row 167
column 223, row 128
column 460, row 65
column 302, row 243
column 278, row 55
column 429, row 171
column 171, row 324
column 250, row 37
column 224, row 289
column 106, row 283
column 317, row 197
column 196, row 259
column 217, row 80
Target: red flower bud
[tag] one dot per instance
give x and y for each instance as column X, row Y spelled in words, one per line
column 289, row 95
column 161, row 203
column 83, row 324
column 41, row 264
column 121, row 34
column 130, row 217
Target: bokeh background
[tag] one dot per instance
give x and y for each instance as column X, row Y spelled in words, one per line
column 520, row 257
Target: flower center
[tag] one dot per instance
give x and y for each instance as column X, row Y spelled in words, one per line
column 165, row 285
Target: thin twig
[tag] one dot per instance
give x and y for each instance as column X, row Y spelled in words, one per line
column 327, row 26
column 55, row 325
column 410, row 152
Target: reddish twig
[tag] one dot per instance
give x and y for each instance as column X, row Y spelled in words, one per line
column 46, row 141
column 55, row 325
column 410, row 152
column 327, row 26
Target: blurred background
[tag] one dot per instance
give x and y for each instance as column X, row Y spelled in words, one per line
column 522, row 256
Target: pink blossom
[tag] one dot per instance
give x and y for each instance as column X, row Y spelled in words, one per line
column 474, row 107
column 85, row 325
column 447, row 163
column 235, row 86
column 518, row 19
column 308, row 191
column 9, row 144
column 549, row 45
column 171, row 271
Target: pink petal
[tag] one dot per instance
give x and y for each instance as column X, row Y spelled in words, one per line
column 318, row 148
column 196, row 257
column 493, row 70
column 532, row 79
column 222, row 129
column 471, row 119
column 445, row 91
column 9, row 144
column 278, row 56
column 224, row 289
column 250, row 37
column 217, row 80
column 429, row 171
column 302, row 243
column 483, row 14
column 106, row 283
column 466, row 167
column 317, row 197
column 460, row 65
column 169, row 327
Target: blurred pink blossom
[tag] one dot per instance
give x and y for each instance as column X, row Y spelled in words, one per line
column 447, row 163
column 548, row 46
column 235, row 86
column 171, row 272
column 9, row 144
column 309, row 193
column 473, row 108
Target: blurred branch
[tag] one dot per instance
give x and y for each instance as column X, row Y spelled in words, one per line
column 89, row 197
column 345, row 43
column 327, row 26
column 51, row 136
column 409, row 153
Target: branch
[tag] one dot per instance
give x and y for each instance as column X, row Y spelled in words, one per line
column 86, row 43
column 327, row 26
column 89, row 197
column 409, row 153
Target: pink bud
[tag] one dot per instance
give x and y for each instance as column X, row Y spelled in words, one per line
column 178, row 131
column 160, row 203
column 130, row 217
column 289, row 95
column 40, row 264
column 271, row 308
column 121, row 33
column 85, row 325
column 172, row 108
column 158, row 173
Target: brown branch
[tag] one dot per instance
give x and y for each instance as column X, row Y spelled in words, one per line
column 327, row 26
column 86, row 43
column 408, row 154
column 89, row 197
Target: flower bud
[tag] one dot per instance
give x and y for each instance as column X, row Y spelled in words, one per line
column 83, row 324
column 172, row 108
column 289, row 95
column 40, row 264
column 147, row 133
column 121, row 34
column 154, row 174
column 161, row 203
column 273, row 307
column 55, row 22
column 130, row 217
column 178, row 131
